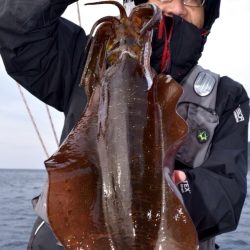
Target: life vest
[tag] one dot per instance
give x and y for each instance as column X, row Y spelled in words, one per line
column 197, row 107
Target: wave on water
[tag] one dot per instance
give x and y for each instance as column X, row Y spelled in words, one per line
column 18, row 187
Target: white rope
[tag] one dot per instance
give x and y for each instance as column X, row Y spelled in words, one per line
column 78, row 13
column 47, row 108
column 52, row 125
column 32, row 120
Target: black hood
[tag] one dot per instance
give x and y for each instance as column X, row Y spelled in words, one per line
column 178, row 50
column 212, row 9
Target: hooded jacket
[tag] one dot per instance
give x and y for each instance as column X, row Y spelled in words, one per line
column 182, row 42
column 44, row 53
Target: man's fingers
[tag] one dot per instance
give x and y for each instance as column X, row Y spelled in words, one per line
column 178, row 176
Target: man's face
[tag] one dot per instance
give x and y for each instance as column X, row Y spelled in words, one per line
column 194, row 15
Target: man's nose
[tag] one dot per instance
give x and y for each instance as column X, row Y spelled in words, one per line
column 175, row 7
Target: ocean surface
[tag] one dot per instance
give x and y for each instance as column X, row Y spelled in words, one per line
column 18, row 187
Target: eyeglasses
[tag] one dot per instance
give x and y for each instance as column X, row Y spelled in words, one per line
column 190, row 3
column 194, row 3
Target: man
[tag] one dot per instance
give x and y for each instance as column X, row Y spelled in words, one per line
column 44, row 53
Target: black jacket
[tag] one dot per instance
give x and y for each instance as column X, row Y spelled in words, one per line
column 44, row 53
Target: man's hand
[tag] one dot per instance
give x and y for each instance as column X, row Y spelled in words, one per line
column 178, row 176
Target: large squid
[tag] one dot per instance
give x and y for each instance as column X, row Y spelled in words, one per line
column 109, row 182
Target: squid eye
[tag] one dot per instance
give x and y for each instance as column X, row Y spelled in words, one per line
column 128, row 41
column 115, row 45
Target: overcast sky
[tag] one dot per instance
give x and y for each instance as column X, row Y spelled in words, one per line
column 227, row 53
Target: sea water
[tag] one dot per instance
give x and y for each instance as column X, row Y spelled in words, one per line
column 18, row 187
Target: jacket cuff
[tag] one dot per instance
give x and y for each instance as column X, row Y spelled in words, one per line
column 186, row 190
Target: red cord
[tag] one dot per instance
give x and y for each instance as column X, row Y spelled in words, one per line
column 165, row 60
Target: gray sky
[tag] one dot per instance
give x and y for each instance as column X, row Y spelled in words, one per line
column 227, row 53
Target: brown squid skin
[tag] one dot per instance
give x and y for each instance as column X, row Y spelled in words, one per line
column 107, row 182
column 176, row 230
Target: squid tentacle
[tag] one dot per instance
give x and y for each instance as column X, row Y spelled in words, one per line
column 156, row 17
column 147, row 11
column 123, row 13
column 95, row 60
column 110, row 19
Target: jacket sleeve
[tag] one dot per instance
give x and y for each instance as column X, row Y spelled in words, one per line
column 217, row 188
column 41, row 50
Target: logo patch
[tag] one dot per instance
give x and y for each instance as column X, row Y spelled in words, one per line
column 204, row 84
column 238, row 115
column 202, row 135
column 184, row 187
